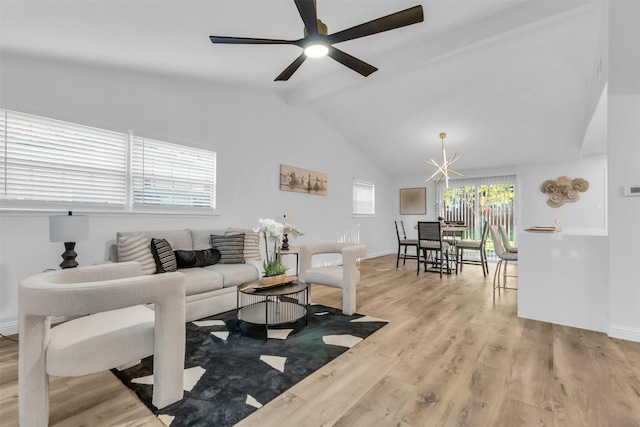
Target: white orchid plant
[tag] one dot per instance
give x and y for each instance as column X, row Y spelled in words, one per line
column 274, row 231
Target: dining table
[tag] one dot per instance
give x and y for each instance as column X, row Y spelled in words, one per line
column 451, row 231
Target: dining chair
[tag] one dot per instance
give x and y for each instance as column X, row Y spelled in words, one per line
column 505, row 240
column 430, row 240
column 404, row 243
column 474, row 245
column 505, row 257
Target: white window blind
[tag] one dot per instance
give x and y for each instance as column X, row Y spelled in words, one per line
column 363, row 198
column 50, row 163
column 171, row 175
column 476, row 200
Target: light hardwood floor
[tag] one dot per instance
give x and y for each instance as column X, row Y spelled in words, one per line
column 448, row 357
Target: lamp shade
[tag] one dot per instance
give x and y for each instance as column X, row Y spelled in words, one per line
column 68, row 228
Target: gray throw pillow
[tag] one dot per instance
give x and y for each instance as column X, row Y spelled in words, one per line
column 231, row 248
column 251, row 243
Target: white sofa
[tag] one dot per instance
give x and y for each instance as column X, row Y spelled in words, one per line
column 212, row 289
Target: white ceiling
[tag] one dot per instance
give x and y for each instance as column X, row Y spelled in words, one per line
column 511, row 82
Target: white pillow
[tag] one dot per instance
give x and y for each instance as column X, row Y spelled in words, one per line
column 136, row 247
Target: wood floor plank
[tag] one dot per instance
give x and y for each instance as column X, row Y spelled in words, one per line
column 519, row 414
column 381, row 406
column 481, row 399
column 450, row 356
column 592, row 384
column 532, row 376
column 436, row 394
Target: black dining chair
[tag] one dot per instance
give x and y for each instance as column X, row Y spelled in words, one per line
column 404, row 243
column 474, row 245
column 430, row 243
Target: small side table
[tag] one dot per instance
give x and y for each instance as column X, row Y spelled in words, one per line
column 293, row 250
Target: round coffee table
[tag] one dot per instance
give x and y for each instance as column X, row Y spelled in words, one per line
column 277, row 305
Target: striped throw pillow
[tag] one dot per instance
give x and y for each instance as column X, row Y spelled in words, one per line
column 251, row 243
column 163, row 255
column 136, row 247
column 231, row 248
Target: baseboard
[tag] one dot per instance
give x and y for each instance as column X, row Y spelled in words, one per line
column 9, row 328
column 624, row 333
column 378, row 254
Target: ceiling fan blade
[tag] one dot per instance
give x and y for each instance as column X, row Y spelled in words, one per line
column 403, row 18
column 307, row 11
column 249, row 40
column 288, row 72
column 350, row 61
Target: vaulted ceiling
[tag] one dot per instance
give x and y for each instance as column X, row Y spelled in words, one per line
column 511, row 82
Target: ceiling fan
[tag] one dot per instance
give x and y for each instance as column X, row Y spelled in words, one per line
column 316, row 42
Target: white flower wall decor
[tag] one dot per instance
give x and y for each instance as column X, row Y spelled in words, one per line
column 563, row 190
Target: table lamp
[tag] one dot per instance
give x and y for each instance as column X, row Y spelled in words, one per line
column 68, row 229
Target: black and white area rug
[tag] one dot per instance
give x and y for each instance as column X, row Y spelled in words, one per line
column 231, row 370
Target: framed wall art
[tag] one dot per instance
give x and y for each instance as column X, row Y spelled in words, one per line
column 302, row 180
column 413, row 201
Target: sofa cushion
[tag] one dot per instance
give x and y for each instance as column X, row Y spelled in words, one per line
column 202, row 238
column 251, row 242
column 129, row 329
column 200, row 280
column 234, row 274
column 163, row 255
column 197, row 258
column 136, row 247
column 329, row 276
column 178, row 239
column 231, row 248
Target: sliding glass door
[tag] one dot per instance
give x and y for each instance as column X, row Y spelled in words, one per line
column 471, row 201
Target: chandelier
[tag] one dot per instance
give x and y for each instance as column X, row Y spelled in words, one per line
column 443, row 170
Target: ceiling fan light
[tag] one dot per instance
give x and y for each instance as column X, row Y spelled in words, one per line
column 316, row 50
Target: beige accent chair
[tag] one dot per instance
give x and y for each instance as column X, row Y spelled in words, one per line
column 116, row 328
column 345, row 276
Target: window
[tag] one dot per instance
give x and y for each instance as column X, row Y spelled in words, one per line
column 50, row 164
column 171, row 175
column 53, row 163
column 475, row 200
column 363, row 198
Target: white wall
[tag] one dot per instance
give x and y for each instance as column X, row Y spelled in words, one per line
column 253, row 133
column 587, row 213
column 624, row 168
column 411, row 220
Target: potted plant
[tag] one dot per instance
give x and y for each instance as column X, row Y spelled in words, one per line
column 274, row 270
